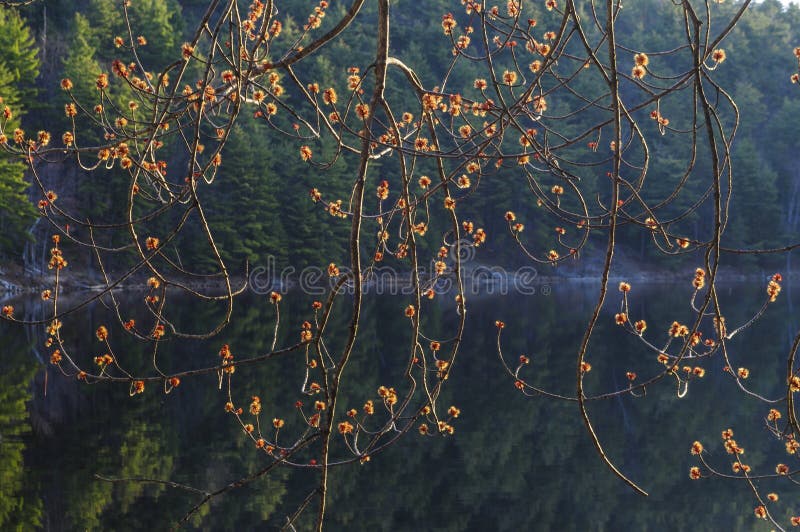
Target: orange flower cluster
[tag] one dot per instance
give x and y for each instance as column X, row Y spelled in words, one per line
column 369, row 407
column 676, row 330
column 306, row 335
column 389, row 395
column 383, row 190
column 479, row 237
column 104, row 360
column 362, row 111
column 53, row 327
column 697, row 448
column 740, row 468
column 446, row 428
column 774, row 288
column 664, row 122
column 255, row 405
column 57, row 261
column 158, row 331
column 732, row 447
column 792, row 445
column 227, row 359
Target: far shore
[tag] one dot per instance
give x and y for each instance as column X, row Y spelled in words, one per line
column 22, row 286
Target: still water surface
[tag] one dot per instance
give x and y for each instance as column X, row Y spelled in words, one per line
column 514, row 463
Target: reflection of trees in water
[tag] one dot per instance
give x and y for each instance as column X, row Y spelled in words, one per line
column 527, row 464
column 514, row 462
column 81, row 431
column 20, row 508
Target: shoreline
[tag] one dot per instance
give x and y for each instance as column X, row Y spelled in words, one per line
column 22, row 287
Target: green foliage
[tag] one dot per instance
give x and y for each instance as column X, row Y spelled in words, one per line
column 105, row 21
column 80, row 64
column 160, row 23
column 253, row 177
column 248, row 178
column 17, row 50
column 18, row 68
column 16, row 211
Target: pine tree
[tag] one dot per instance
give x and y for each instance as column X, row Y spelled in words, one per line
column 16, row 211
column 17, row 49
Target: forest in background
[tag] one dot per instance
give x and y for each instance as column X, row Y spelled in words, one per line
column 261, row 202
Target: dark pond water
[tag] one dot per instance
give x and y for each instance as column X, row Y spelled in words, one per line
column 514, row 462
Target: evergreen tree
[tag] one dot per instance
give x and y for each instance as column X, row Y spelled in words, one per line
column 16, row 211
column 160, row 23
column 17, row 49
column 80, row 64
column 247, row 178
